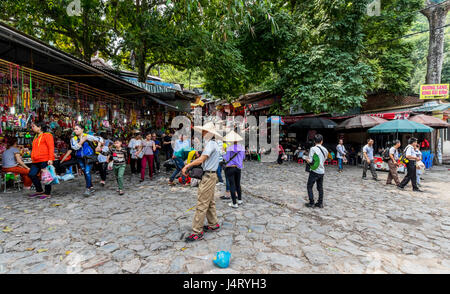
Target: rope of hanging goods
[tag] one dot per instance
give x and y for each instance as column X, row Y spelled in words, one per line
column 62, row 83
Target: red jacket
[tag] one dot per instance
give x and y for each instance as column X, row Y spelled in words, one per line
column 43, row 148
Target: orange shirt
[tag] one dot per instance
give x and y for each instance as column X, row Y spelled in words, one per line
column 43, row 148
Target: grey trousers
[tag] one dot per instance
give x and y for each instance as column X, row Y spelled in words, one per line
column 372, row 169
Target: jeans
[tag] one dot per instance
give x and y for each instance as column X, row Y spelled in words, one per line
column 341, row 161
column 219, row 173
column 119, row 170
column 33, row 174
column 179, row 164
column 86, row 168
column 418, row 173
column 233, row 175
column 315, row 178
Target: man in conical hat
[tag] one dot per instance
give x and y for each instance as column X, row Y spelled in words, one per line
column 206, row 206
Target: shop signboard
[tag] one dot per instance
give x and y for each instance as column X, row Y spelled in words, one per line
column 392, row 115
column 261, row 104
column 435, row 91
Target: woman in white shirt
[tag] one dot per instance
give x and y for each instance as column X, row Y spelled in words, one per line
column 135, row 162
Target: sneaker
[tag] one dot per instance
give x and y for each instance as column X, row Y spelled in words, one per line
column 417, row 190
column 91, row 189
column 240, row 202
column 375, row 179
column 121, row 192
column 194, row 237
column 400, row 188
column 233, row 205
column 87, row 193
column 319, row 205
column 310, row 205
column 213, row 228
column 364, row 178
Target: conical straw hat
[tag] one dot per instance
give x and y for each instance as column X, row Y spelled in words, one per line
column 209, row 127
column 232, row 137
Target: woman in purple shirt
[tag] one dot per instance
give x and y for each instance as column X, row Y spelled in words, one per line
column 234, row 158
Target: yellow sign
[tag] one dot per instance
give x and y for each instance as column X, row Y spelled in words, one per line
column 236, row 104
column 436, row 91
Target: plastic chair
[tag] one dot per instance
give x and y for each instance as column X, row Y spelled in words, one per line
column 8, row 176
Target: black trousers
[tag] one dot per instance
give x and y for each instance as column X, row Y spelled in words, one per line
column 135, row 165
column 233, row 175
column 62, row 167
column 280, row 160
column 410, row 175
column 315, row 178
column 102, row 168
column 157, row 163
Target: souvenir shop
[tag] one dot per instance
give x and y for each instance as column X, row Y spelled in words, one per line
column 28, row 95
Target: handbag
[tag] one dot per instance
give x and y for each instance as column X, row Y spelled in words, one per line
column 196, row 172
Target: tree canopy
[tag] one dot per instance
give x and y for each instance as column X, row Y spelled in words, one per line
column 321, row 55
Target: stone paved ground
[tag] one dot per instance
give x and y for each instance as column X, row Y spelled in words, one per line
column 364, row 227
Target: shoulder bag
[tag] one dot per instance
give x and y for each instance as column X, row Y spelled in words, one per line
column 308, row 165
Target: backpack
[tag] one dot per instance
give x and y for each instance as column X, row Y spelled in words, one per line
column 385, row 155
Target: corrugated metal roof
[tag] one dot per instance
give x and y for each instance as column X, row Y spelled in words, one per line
column 152, row 88
column 430, row 108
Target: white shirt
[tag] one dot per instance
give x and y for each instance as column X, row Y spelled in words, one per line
column 409, row 151
column 133, row 145
column 316, row 150
column 394, row 152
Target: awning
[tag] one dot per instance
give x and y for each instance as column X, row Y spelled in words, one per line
column 164, row 103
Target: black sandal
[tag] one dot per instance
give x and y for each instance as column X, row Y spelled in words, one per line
column 225, row 198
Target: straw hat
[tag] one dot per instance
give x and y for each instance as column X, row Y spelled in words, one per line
column 208, row 127
column 232, row 137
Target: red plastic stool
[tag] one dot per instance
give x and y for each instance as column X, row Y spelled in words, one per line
column 300, row 161
column 334, row 162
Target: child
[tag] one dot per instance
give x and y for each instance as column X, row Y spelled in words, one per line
column 118, row 154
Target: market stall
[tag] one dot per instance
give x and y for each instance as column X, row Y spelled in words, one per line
column 396, row 127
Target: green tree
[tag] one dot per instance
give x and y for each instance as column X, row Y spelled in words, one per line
column 48, row 20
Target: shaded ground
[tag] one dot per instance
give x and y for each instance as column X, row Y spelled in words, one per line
column 365, row 227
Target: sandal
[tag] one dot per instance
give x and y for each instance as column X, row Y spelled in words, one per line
column 36, row 194
column 45, row 196
column 121, row 192
column 225, row 197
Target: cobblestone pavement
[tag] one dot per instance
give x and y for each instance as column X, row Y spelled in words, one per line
column 365, row 227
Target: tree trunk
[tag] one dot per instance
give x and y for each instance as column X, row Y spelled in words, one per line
column 140, row 58
column 436, row 15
